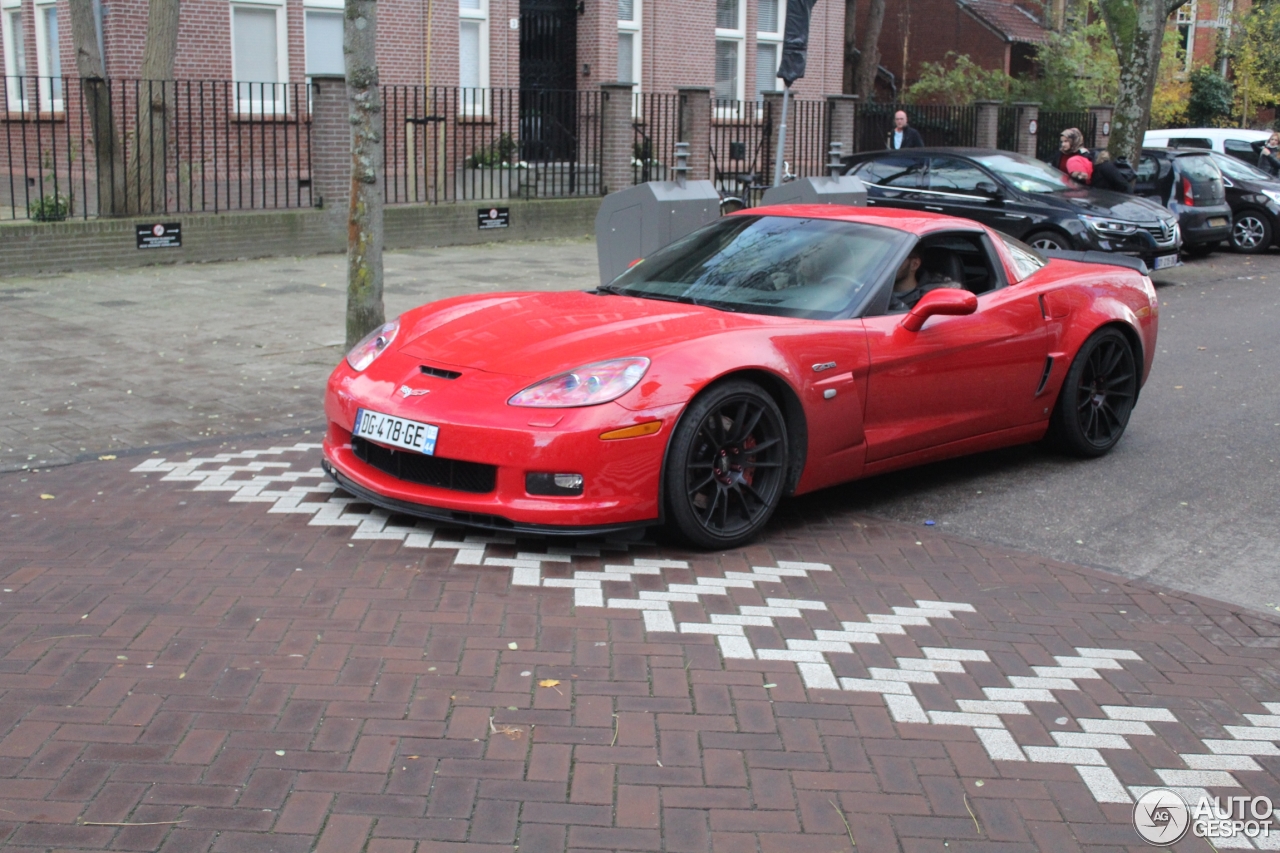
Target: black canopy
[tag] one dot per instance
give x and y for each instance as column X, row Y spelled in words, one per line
column 795, row 40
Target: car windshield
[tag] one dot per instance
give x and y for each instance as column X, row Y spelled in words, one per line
column 790, row 267
column 1199, row 167
column 1233, row 168
column 1027, row 175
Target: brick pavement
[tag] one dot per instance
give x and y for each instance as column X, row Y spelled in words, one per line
column 222, row 653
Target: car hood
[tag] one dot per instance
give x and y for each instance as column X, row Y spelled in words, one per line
column 1112, row 205
column 542, row 334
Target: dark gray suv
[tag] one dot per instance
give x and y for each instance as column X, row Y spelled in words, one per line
column 1188, row 183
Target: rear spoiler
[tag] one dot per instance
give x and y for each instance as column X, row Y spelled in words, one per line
column 1107, row 258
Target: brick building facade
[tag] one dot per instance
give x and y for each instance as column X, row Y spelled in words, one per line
column 657, row 44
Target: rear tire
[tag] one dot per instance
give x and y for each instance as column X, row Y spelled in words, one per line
column 1051, row 240
column 727, row 465
column 1097, row 397
column 1251, row 233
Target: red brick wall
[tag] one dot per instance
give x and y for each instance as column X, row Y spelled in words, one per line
column 677, row 42
column 935, row 27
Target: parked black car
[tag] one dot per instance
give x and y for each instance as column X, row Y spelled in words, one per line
column 1022, row 197
column 1254, row 197
column 1188, row 182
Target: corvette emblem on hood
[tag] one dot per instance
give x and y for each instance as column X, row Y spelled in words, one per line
column 406, row 391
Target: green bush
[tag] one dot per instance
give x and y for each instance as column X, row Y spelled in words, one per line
column 1212, row 97
column 499, row 153
column 50, row 208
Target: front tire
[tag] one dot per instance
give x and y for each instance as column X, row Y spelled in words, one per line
column 727, row 465
column 1251, row 233
column 1050, row 240
column 1097, row 397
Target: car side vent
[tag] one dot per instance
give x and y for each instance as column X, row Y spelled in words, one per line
column 1044, row 378
column 436, row 371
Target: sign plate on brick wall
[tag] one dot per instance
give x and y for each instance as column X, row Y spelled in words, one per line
column 494, row 217
column 166, row 235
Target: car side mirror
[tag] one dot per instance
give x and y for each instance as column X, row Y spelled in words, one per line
column 990, row 190
column 944, row 300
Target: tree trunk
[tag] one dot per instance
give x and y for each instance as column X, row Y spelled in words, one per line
column 869, row 62
column 147, row 160
column 108, row 157
column 1137, row 34
column 364, row 220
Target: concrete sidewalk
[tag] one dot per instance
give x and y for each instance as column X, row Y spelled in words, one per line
column 99, row 362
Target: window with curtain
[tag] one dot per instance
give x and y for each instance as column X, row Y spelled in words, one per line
column 15, row 57
column 629, row 42
column 473, row 53
column 769, row 24
column 730, row 42
column 256, row 57
column 324, row 42
column 48, row 57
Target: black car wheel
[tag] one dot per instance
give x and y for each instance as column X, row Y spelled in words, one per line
column 1251, row 233
column 1202, row 250
column 726, row 465
column 1098, row 395
column 1047, row 240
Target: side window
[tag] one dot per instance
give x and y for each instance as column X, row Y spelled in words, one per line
column 1190, row 142
column 947, row 174
column 1025, row 259
column 1240, row 149
column 905, row 172
column 1148, row 169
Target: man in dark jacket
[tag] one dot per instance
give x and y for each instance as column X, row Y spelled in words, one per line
column 903, row 135
column 1115, row 175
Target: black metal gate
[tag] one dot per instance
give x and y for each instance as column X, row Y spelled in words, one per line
column 548, row 64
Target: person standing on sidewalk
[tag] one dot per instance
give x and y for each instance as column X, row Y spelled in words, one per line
column 903, row 134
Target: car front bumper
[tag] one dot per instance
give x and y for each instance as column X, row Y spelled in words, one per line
column 621, row 478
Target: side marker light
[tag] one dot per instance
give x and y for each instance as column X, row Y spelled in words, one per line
column 632, row 431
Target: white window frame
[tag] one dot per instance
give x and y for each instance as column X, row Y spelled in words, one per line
column 47, row 66
column 469, row 104
column 318, row 6
column 634, row 28
column 764, row 37
column 278, row 103
column 738, row 35
column 16, row 94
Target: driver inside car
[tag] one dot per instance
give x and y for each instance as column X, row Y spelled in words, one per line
column 910, row 283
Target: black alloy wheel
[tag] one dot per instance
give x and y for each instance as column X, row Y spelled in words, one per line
column 1098, row 395
column 727, row 465
column 1251, row 233
column 1046, row 240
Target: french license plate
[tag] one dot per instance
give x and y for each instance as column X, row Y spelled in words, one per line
column 1218, row 221
column 1166, row 261
column 398, row 432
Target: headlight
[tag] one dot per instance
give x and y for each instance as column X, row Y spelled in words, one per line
column 589, row 385
column 1273, row 195
column 1108, row 226
column 363, row 353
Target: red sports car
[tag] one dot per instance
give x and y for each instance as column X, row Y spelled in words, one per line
column 773, row 352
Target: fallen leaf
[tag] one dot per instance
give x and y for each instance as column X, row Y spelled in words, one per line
column 548, row 682
column 46, row 497
column 106, row 457
column 280, row 752
column 513, row 646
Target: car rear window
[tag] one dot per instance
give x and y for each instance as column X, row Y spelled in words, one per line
column 1199, row 168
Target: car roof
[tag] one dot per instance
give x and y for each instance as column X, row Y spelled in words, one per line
column 1178, row 152
column 936, row 149
column 910, row 221
column 1215, row 133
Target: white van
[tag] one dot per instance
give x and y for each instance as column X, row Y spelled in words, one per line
column 1241, row 144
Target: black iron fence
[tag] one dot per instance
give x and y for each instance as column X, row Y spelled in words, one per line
column 656, row 125
column 452, row 144
column 938, row 125
column 80, row 148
